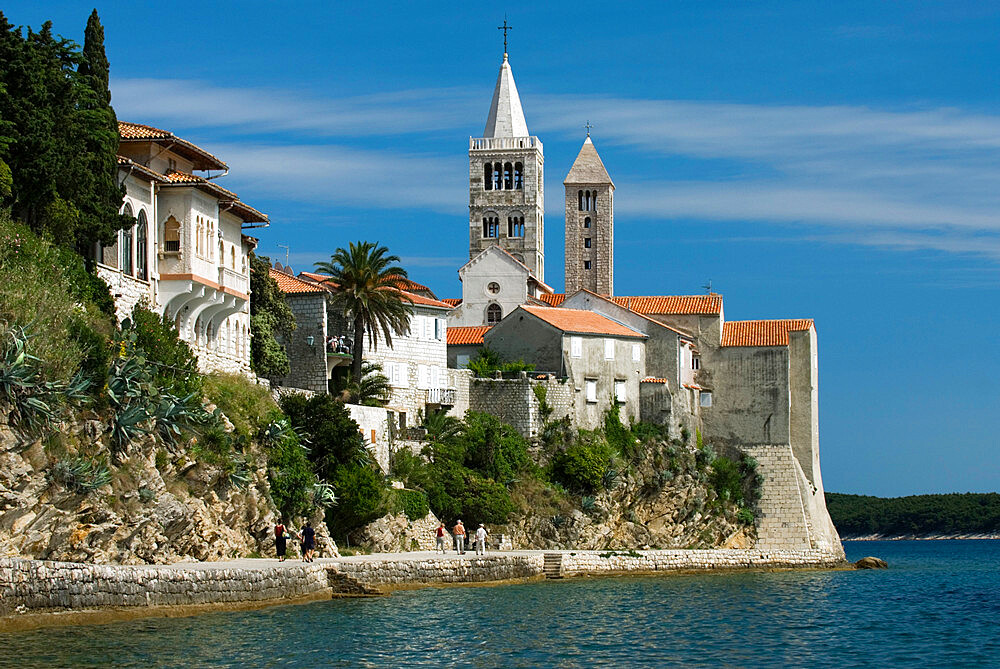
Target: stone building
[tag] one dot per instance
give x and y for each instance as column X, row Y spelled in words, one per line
column 590, row 224
column 187, row 256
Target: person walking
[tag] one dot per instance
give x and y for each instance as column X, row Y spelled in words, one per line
column 280, row 540
column 440, row 538
column 459, row 532
column 481, row 540
column 308, row 539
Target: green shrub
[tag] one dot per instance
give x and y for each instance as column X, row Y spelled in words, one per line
column 745, row 516
column 488, row 362
column 361, row 492
column 326, row 427
column 619, row 437
column 290, row 475
column 494, row 449
column 411, row 502
column 175, row 362
column 582, row 465
column 247, row 405
column 485, row 501
column 82, row 475
column 727, row 480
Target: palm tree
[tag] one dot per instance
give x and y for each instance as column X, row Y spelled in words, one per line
column 373, row 390
column 364, row 281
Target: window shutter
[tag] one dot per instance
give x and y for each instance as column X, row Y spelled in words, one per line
column 635, row 353
column 404, row 375
column 422, row 376
column 620, row 391
column 609, row 349
column 576, row 347
column 591, row 391
column 428, row 327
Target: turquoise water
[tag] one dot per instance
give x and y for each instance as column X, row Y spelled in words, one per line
column 938, row 605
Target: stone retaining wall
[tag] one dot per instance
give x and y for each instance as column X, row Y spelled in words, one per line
column 404, row 572
column 37, row 586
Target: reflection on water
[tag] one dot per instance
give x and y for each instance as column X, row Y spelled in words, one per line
column 937, row 605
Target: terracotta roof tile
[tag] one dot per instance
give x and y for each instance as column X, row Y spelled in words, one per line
column 581, row 322
column 462, row 336
column 658, row 304
column 137, row 132
column 762, row 333
column 321, row 280
column 653, row 379
column 291, row 285
column 453, row 301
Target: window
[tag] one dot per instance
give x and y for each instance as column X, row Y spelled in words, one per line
column 423, row 378
column 636, row 352
column 232, row 257
column 126, row 249
column 695, row 362
column 402, row 421
column 429, row 328
column 586, row 264
column 439, row 328
column 488, row 176
column 619, row 391
column 462, row 360
column 496, row 176
column 576, row 347
column 609, row 349
column 172, row 235
column 491, row 227
column 222, row 253
column 586, row 242
column 586, row 222
column 494, row 314
column 515, row 226
column 579, row 196
column 591, row 390
column 141, row 245
column 518, row 176
column 706, row 398
column 508, row 176
column 493, row 287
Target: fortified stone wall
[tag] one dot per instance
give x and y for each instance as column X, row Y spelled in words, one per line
column 513, row 401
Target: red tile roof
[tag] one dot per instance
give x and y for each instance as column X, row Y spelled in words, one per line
column 462, row 336
column 581, row 322
column 762, row 333
column 658, row 304
column 137, row 132
column 322, row 280
column 291, row 285
column 453, row 301
column 653, row 379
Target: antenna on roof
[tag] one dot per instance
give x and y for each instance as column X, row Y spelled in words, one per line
column 284, row 246
column 708, row 287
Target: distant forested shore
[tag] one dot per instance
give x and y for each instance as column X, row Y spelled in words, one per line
column 930, row 516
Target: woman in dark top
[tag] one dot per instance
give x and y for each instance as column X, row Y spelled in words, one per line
column 280, row 540
column 308, row 539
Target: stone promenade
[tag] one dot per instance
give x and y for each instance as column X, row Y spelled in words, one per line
column 37, row 593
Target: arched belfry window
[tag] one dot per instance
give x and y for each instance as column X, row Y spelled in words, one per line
column 518, row 176
column 586, row 222
column 494, row 314
column 491, row 227
column 141, row 246
column 497, row 175
column 593, row 201
column 515, row 226
column 488, row 176
column 508, row 176
column 579, row 195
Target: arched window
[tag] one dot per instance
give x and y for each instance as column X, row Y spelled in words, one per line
column 172, row 235
column 579, row 195
column 125, row 245
column 488, row 176
column 494, row 314
column 141, row 246
column 586, row 222
column 593, row 201
column 222, row 253
column 515, row 226
column 518, row 176
column 491, row 227
column 232, row 257
column 508, row 176
column 496, row 176
column 586, row 200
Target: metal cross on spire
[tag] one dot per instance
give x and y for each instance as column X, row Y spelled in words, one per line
column 505, row 28
column 588, row 127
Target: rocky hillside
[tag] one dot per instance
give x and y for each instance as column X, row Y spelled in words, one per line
column 153, row 505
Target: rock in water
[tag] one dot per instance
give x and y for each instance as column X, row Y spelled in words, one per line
column 871, row 563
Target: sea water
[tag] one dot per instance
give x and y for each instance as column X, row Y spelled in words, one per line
column 937, row 606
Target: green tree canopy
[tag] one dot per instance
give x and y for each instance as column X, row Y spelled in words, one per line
column 364, row 279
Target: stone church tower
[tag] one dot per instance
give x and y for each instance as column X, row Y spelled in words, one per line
column 590, row 224
column 506, row 195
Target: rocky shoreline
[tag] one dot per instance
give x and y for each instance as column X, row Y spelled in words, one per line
column 36, row 593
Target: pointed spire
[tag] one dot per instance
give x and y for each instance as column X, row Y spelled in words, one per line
column 506, row 118
column 588, row 168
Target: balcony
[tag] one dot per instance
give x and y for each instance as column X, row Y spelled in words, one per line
column 442, row 396
column 495, row 143
column 233, row 280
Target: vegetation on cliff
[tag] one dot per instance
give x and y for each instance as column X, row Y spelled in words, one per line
column 915, row 515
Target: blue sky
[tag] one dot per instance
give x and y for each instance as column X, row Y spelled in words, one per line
column 839, row 161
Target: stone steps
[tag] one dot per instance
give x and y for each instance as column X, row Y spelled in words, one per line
column 552, row 565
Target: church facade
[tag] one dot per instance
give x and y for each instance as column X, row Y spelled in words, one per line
column 746, row 386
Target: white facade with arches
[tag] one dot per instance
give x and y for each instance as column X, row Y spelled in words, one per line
column 187, row 256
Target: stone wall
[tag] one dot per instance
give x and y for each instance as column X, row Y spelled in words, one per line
column 405, row 572
column 374, row 424
column 126, row 290
column 307, row 363
column 28, row 585
column 513, row 401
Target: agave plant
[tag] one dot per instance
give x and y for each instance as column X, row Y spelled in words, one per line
column 80, row 474
column 323, row 495
column 127, row 425
column 34, row 404
column 173, row 414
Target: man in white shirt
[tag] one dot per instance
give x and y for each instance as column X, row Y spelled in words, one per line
column 481, row 540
